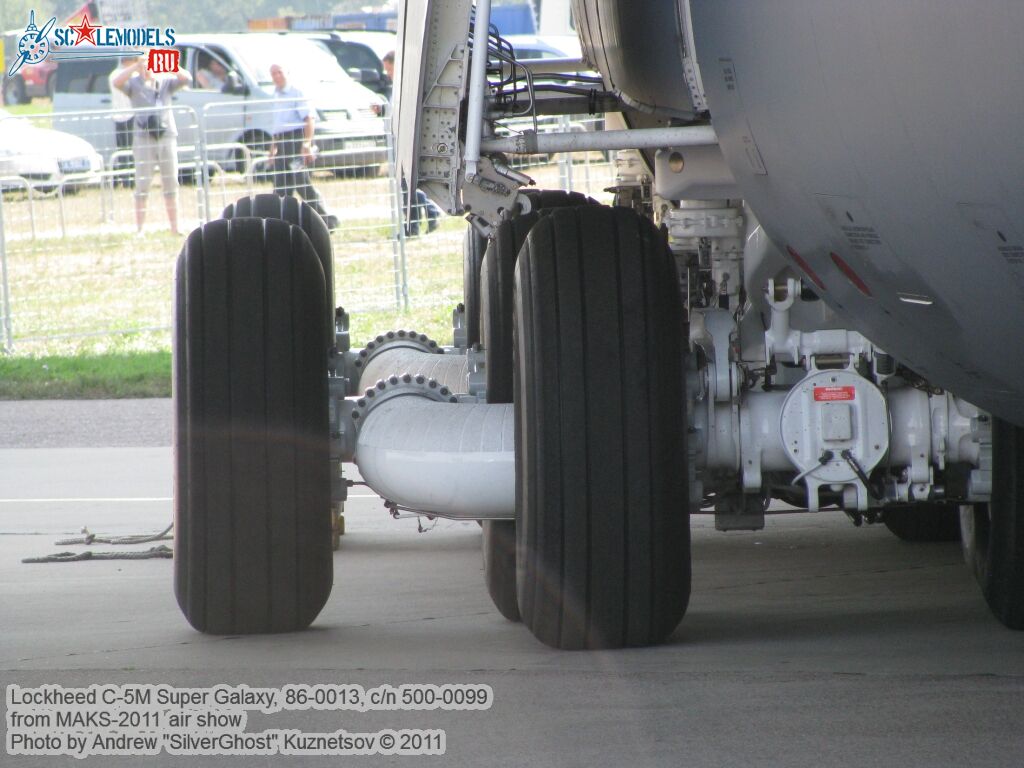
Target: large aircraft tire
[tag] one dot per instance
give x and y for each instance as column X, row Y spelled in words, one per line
column 603, row 539
column 495, row 284
column 252, row 484
column 993, row 533
column 924, row 523
column 299, row 213
column 556, row 198
column 473, row 247
column 499, row 546
column 497, row 276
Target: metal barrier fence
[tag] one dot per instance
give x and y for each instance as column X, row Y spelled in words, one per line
column 75, row 275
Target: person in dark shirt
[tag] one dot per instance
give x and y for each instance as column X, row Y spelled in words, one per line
column 424, row 207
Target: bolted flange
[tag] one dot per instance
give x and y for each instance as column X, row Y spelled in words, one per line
column 399, row 386
column 396, row 340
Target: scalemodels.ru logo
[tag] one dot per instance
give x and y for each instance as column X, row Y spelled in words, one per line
column 99, row 41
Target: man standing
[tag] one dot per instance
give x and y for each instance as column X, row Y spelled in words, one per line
column 155, row 141
column 292, row 148
column 388, row 63
column 123, row 116
column 424, row 207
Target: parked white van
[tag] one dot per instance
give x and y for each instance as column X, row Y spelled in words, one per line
column 239, row 110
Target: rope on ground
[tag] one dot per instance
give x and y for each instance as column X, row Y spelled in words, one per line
column 73, row 557
column 92, row 538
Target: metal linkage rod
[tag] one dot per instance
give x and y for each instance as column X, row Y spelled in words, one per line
column 586, row 141
column 477, row 87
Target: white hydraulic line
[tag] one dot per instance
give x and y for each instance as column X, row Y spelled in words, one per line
column 448, row 370
column 451, row 460
column 530, row 143
column 477, row 86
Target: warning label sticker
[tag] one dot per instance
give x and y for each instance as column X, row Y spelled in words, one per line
column 832, row 394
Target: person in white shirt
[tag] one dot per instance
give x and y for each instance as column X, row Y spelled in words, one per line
column 122, row 116
column 155, row 143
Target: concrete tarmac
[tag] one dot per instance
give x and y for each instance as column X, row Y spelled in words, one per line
column 810, row 643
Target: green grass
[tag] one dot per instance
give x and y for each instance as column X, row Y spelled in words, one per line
column 91, row 300
column 127, row 373
column 145, row 374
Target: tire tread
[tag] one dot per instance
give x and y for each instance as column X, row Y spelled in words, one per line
column 294, row 211
column 252, row 499
column 604, row 543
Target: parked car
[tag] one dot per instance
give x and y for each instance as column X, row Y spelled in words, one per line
column 359, row 60
column 349, row 131
column 30, row 81
column 39, row 79
column 530, row 47
column 45, row 158
column 545, row 46
column 380, row 41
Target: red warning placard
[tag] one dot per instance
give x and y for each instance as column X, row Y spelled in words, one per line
column 832, row 394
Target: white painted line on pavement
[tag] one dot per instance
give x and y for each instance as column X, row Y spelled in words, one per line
column 115, row 500
column 84, row 500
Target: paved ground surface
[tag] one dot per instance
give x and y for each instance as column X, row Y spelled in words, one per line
column 808, row 644
column 78, row 423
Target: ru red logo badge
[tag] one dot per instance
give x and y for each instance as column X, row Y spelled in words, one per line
column 163, row 60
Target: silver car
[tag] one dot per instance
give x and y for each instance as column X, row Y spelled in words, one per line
column 42, row 158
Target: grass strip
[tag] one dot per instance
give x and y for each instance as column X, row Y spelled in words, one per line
column 91, row 375
column 139, row 374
